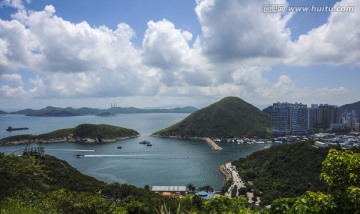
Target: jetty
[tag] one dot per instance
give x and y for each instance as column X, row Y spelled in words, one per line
column 212, row 144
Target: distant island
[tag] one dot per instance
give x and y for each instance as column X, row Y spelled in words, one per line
column 84, row 133
column 51, row 111
column 228, row 118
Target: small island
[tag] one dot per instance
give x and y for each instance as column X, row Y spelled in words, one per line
column 84, row 133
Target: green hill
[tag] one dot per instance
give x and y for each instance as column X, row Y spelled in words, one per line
column 99, row 133
column 229, row 117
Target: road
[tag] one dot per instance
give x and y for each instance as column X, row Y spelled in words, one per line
column 238, row 182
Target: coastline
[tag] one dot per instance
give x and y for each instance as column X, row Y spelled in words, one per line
column 222, row 169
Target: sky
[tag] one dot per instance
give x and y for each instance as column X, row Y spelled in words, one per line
column 167, row 53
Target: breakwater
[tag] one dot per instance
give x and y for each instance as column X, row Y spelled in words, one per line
column 212, row 144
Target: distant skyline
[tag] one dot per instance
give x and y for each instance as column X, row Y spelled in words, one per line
column 177, row 52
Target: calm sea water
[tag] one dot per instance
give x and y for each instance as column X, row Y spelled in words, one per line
column 167, row 162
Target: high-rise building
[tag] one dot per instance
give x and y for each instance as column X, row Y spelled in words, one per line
column 280, row 116
column 288, row 118
column 299, row 119
column 328, row 114
column 312, row 116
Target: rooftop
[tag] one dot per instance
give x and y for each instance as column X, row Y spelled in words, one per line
column 168, row 189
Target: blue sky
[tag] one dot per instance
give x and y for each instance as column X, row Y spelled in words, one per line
column 176, row 53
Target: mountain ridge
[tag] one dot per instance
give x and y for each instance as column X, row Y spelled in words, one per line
column 69, row 111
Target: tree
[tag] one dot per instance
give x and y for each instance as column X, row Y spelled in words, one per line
column 147, row 188
column 191, row 187
column 341, row 173
column 223, row 204
column 242, row 191
column 206, row 188
column 234, row 191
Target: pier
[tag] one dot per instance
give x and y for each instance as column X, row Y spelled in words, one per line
column 212, row 144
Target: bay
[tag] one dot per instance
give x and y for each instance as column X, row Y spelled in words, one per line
column 167, row 162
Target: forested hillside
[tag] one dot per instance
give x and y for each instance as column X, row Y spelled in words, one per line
column 283, row 171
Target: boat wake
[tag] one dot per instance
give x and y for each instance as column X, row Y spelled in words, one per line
column 72, row 150
column 116, row 155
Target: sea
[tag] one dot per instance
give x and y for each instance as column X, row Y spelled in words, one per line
column 169, row 162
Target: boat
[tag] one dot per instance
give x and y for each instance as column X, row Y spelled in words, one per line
column 119, row 147
column 79, row 155
column 144, row 142
column 10, row 128
column 149, row 144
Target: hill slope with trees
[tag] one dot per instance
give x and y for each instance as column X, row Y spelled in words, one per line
column 229, row 117
column 283, row 171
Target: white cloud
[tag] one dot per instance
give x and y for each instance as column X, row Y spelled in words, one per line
column 12, row 86
column 336, row 42
column 237, row 30
column 42, row 41
column 167, row 50
column 18, row 4
column 12, row 79
column 164, row 46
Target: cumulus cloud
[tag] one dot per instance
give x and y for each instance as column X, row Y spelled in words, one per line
column 12, row 86
column 237, row 30
column 73, row 59
column 165, row 46
column 42, row 41
column 336, row 42
column 18, row 4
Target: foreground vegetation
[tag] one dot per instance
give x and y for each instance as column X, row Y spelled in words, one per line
column 49, row 185
column 78, row 133
column 227, row 118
